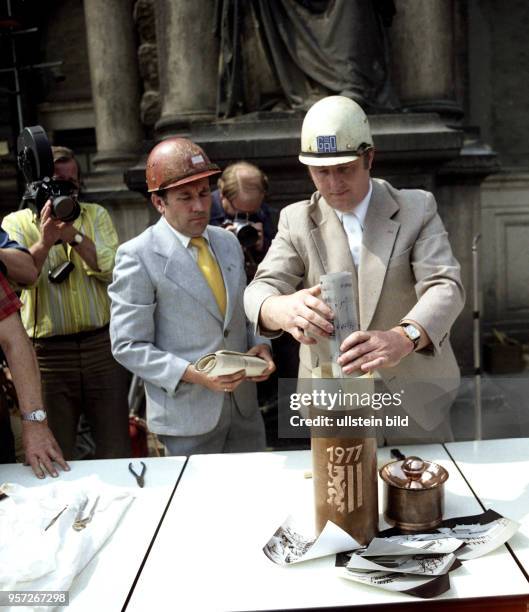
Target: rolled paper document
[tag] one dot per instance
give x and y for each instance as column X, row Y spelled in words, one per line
column 338, row 293
column 229, row 362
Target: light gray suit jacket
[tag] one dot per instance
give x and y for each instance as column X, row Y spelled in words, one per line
column 164, row 317
column 406, row 271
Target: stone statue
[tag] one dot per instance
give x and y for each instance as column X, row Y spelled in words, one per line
column 308, row 49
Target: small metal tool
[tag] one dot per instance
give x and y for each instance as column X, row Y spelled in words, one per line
column 395, row 452
column 140, row 478
column 55, row 518
column 80, row 523
column 79, row 514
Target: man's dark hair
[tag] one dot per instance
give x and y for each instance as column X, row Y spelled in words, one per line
column 64, row 154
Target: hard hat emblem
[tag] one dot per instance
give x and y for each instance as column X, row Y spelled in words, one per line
column 326, row 144
column 335, row 131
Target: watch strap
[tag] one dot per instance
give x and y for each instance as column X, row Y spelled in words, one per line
column 77, row 239
column 38, row 415
column 416, row 339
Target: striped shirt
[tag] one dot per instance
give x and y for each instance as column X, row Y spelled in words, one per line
column 81, row 302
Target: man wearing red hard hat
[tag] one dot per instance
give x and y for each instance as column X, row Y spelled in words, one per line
column 176, row 296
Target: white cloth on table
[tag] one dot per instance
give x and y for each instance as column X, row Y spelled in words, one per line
column 38, row 560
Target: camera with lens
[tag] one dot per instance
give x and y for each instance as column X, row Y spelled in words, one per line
column 35, row 161
column 246, row 233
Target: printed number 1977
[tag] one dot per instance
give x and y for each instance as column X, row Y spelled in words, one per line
column 340, row 455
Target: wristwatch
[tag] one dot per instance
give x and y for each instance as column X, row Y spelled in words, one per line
column 412, row 333
column 36, row 415
column 77, row 239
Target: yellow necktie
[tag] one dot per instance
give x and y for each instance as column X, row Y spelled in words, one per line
column 211, row 271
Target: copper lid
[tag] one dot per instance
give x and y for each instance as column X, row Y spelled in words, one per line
column 413, row 473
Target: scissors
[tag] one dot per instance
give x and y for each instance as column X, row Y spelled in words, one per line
column 140, row 478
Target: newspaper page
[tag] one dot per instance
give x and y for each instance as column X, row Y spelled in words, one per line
column 288, row 545
column 428, row 565
column 412, row 545
column 418, row 586
column 418, row 564
column 222, row 363
column 479, row 534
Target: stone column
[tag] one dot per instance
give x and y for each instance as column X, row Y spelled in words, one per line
column 423, row 56
column 188, row 63
column 115, row 84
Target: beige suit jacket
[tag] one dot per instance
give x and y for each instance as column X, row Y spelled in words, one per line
column 406, row 271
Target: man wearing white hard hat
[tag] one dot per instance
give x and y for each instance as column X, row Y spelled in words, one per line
column 408, row 289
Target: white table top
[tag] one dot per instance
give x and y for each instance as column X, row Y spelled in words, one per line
column 498, row 472
column 105, row 582
column 208, row 552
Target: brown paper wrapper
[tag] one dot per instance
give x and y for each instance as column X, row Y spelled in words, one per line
column 345, row 485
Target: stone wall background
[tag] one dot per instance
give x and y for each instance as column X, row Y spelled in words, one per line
column 484, row 76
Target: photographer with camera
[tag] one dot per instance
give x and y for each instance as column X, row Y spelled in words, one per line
column 67, row 311
column 239, row 206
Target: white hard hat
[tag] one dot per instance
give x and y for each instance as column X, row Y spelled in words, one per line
column 335, row 131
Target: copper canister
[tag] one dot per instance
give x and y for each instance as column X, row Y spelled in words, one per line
column 413, row 493
column 345, row 485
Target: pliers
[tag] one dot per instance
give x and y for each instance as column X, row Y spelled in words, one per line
column 139, row 477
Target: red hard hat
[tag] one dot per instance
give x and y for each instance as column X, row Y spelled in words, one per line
column 177, row 161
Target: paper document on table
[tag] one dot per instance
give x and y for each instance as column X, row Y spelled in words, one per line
column 223, row 363
column 419, row 563
column 481, row 534
column 426, row 564
column 412, row 544
column 418, row 586
column 288, row 545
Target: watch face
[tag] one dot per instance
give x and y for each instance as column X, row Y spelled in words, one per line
column 413, row 332
column 36, row 415
column 78, row 238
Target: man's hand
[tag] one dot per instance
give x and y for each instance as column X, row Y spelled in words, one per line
column 371, row 350
column 86, row 250
column 263, row 351
column 299, row 314
column 50, row 228
column 226, row 383
column 41, row 449
column 68, row 232
column 220, row 384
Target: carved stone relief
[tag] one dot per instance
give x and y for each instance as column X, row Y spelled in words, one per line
column 144, row 18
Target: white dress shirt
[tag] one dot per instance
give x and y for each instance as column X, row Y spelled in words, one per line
column 353, row 224
column 185, row 240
